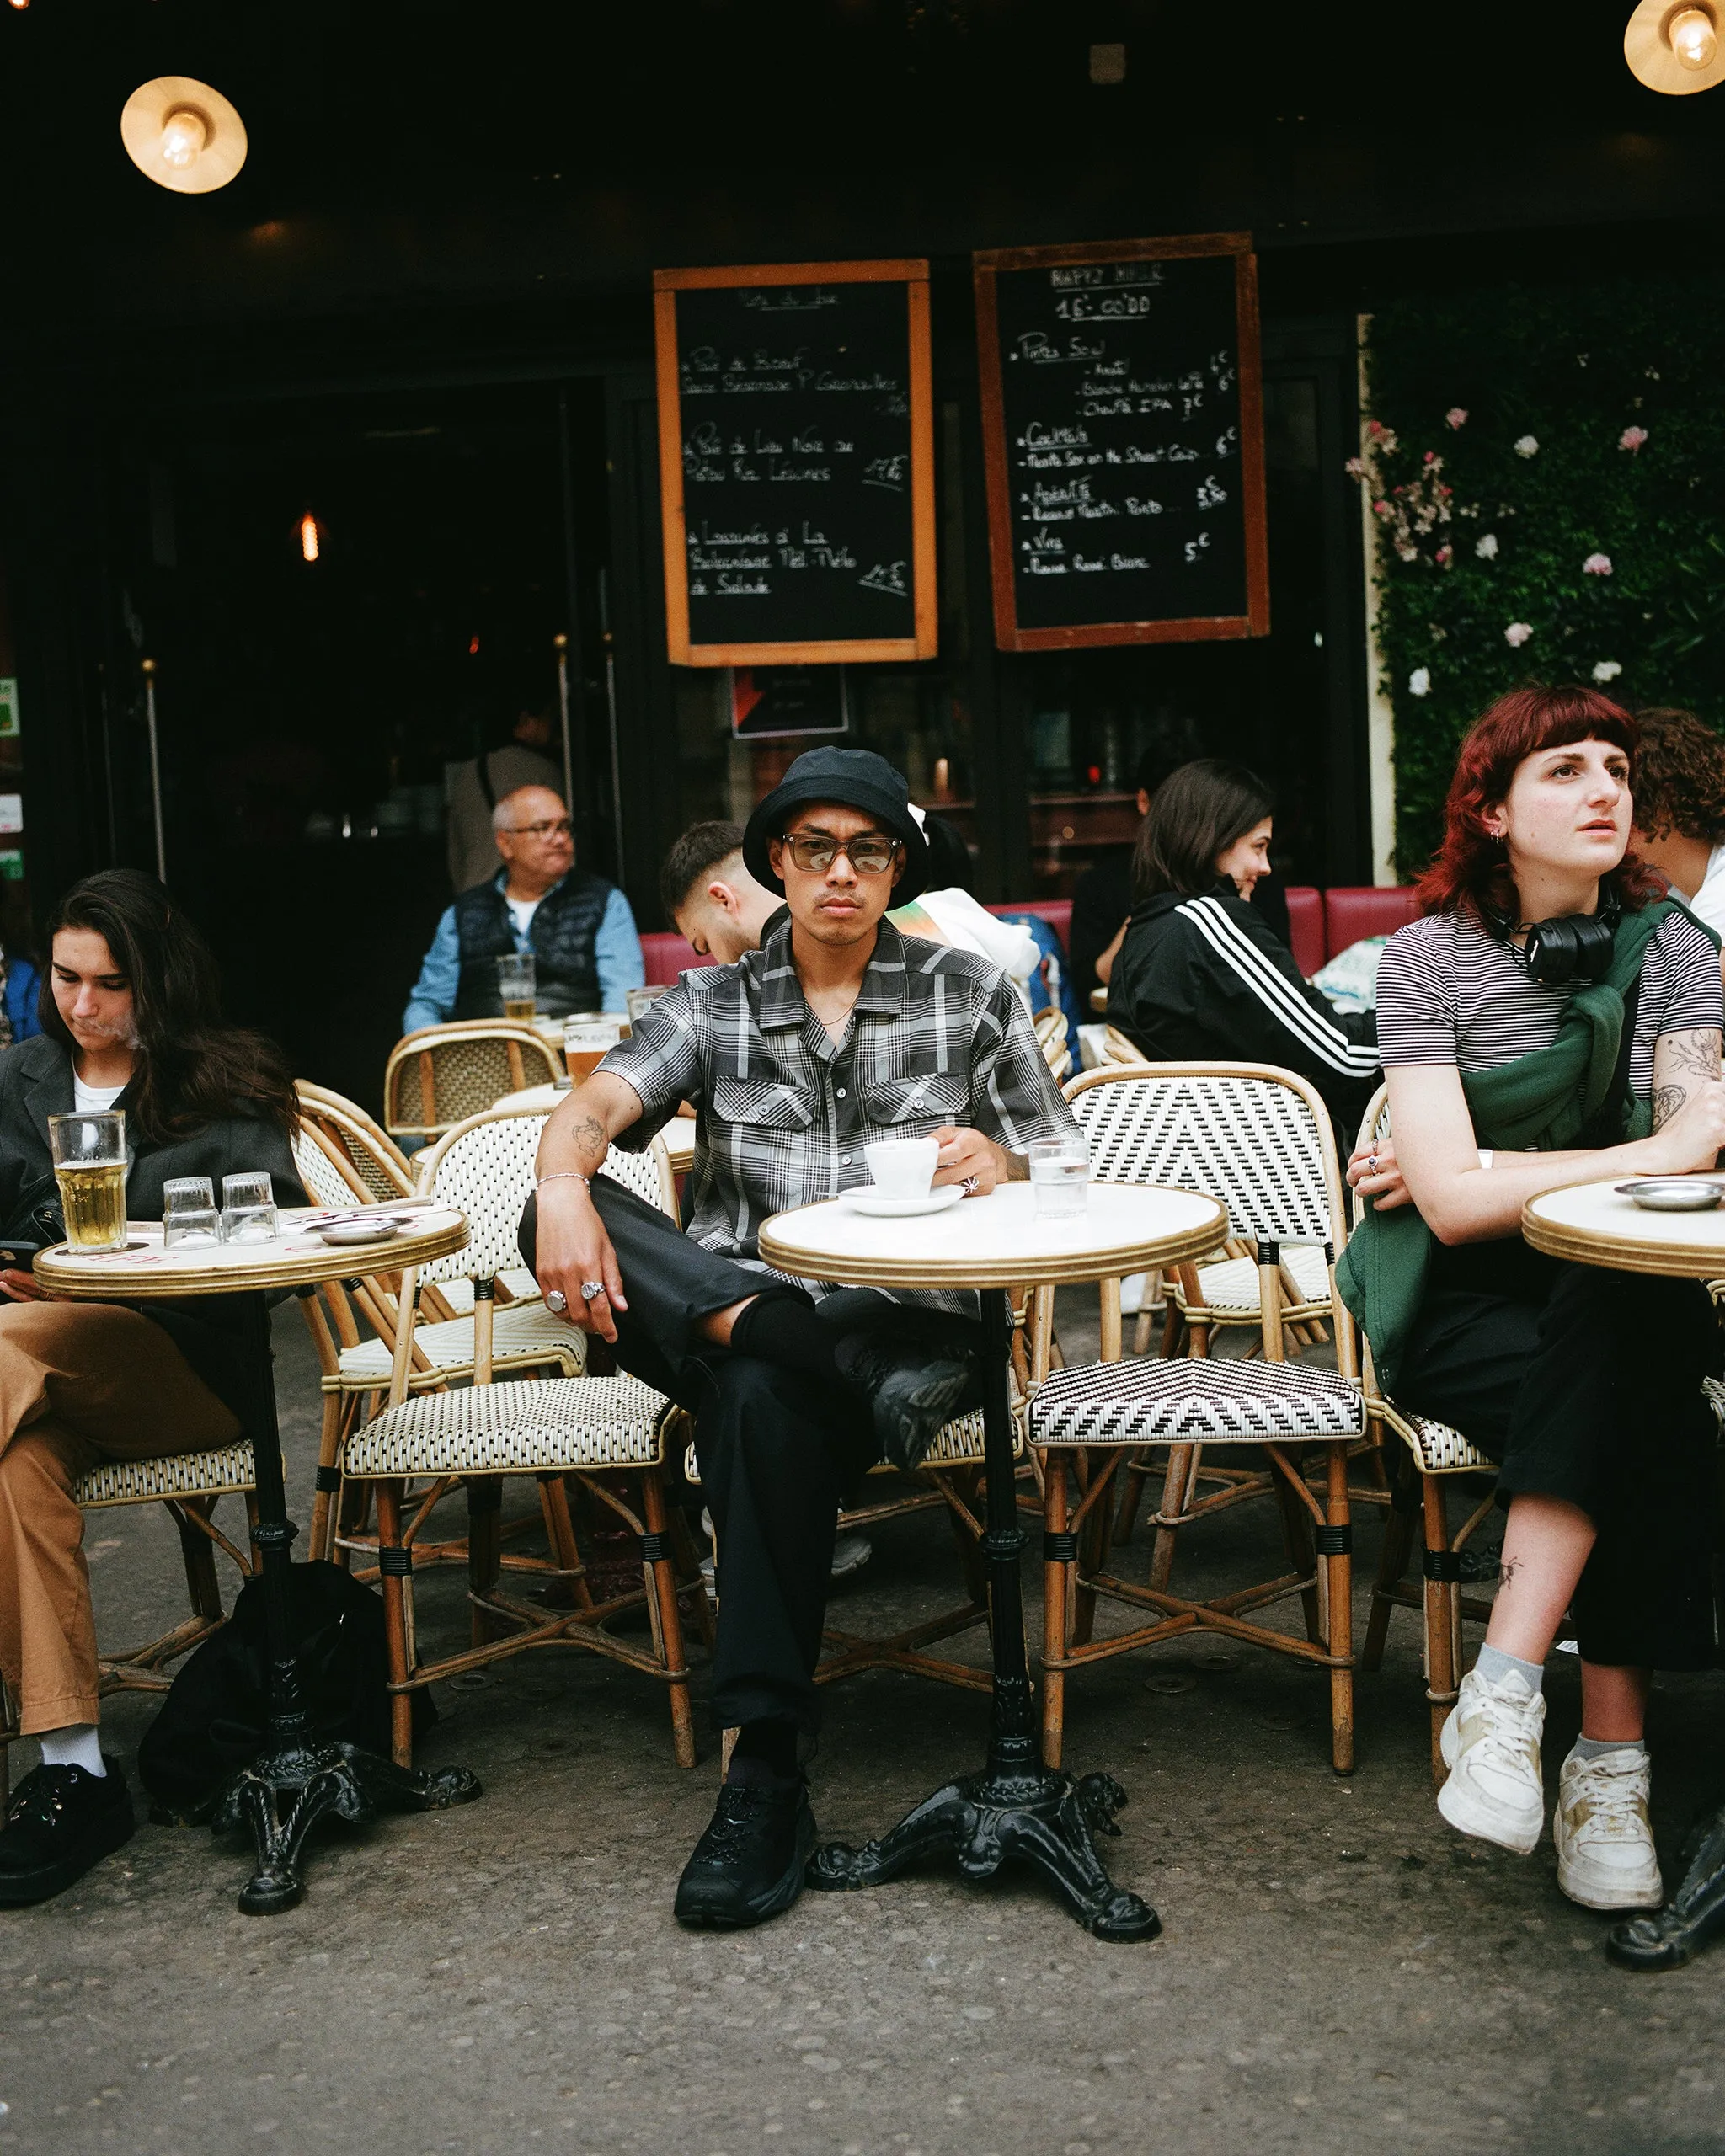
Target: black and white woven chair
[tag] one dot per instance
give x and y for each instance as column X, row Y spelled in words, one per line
column 1434, row 1457
column 609, row 1435
column 1259, row 1139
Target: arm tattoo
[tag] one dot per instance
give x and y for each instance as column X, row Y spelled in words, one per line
column 1666, row 1101
column 1697, row 1053
column 592, row 1138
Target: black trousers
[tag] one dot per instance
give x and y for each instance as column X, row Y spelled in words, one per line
column 778, row 1450
column 1586, row 1385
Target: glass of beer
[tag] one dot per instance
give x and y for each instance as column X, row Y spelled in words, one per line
column 89, row 1165
column 514, row 980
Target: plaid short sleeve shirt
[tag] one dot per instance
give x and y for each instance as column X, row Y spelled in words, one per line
column 936, row 1036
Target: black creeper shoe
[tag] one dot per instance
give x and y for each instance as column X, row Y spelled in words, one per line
column 61, row 1821
column 748, row 1865
column 912, row 1390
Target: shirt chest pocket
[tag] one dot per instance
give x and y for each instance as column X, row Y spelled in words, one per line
column 763, row 1104
column 917, row 1105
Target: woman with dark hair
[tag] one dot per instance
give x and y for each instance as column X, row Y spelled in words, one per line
column 1200, row 975
column 130, row 1021
column 1551, row 1021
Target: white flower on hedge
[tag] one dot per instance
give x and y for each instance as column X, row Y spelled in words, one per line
column 1606, row 669
column 1518, row 633
column 1419, row 681
column 1528, row 446
column 1631, row 437
column 1456, row 416
column 1485, row 547
column 1597, row 565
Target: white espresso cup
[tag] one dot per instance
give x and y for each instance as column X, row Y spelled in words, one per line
column 902, row 1167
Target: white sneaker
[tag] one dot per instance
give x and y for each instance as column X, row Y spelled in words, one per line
column 1491, row 1745
column 1605, row 1853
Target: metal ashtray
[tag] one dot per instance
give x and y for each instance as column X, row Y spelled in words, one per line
column 1673, row 1194
column 362, row 1228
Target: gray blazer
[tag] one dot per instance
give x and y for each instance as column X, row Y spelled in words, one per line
column 210, row 1331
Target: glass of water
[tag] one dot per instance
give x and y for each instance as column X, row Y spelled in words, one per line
column 247, row 1209
column 1060, row 1175
column 189, row 1214
column 641, row 1000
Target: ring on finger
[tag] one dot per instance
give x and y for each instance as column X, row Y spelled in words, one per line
column 556, row 1302
column 591, row 1290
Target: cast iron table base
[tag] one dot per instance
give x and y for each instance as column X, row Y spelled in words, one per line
column 1694, row 1913
column 1016, row 1807
column 297, row 1780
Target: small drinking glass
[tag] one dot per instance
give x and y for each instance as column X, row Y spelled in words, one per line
column 1060, row 1175
column 247, row 1209
column 641, row 1000
column 89, row 1165
column 517, row 985
column 189, row 1214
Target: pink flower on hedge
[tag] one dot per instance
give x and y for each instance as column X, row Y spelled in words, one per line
column 1631, row 438
column 1381, row 509
column 1597, row 565
column 1518, row 633
column 1355, row 467
column 1456, row 416
column 1445, row 555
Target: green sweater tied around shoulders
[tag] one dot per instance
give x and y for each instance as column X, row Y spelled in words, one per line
column 1543, row 1102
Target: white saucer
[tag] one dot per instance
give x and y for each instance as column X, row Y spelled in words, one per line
column 868, row 1200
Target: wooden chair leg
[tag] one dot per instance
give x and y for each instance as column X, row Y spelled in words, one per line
column 560, row 1534
column 662, row 1585
column 1177, row 1482
column 1302, row 1551
column 1056, row 1572
column 1091, row 1542
column 397, row 1596
column 198, row 1553
column 327, row 1489
column 1440, row 1619
column 1131, row 1495
column 484, row 1548
column 1392, row 1564
column 1338, row 1565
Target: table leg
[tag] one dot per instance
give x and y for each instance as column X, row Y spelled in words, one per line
column 297, row 1779
column 1016, row 1807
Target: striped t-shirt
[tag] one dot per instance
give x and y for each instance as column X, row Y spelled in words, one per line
column 1449, row 992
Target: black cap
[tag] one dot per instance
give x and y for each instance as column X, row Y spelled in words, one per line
column 854, row 778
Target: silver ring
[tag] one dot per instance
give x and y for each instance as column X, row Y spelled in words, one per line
column 556, row 1302
column 969, row 1185
column 591, row 1290
column 1371, row 1164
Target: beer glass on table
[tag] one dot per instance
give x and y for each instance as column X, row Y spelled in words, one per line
column 515, row 981
column 89, row 1165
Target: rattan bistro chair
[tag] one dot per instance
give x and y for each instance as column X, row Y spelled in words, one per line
column 369, row 1158
column 1436, row 1456
column 608, row 1434
column 439, row 1076
column 188, row 1484
column 1259, row 1139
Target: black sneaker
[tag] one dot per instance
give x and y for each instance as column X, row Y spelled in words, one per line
column 62, row 1821
column 912, row 1391
column 749, row 1863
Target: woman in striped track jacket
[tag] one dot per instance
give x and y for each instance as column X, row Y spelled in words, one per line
column 1201, row 976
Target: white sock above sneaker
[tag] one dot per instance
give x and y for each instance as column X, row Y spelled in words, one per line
column 79, row 1744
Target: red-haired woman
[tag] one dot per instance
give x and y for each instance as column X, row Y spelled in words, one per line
column 1518, row 1062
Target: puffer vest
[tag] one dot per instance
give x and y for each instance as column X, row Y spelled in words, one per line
column 562, row 939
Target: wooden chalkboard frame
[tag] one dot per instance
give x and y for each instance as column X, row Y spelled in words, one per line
column 1255, row 622
column 924, row 642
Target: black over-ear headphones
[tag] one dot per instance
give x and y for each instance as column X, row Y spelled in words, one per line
column 1565, row 952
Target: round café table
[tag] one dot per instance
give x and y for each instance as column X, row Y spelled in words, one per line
column 1015, row 1806
column 297, row 1778
column 1590, row 1225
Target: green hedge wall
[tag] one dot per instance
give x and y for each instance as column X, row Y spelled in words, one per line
column 1547, row 472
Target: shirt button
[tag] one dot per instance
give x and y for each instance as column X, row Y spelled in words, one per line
column 844, row 1159
column 841, row 1092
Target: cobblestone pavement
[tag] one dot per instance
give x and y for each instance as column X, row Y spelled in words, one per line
column 1337, row 1969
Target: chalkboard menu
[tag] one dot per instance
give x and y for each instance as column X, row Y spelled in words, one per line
column 1123, row 423
column 796, row 456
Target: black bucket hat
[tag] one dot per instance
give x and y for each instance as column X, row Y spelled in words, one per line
column 854, row 778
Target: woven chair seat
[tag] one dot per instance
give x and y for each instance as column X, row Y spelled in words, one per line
column 1229, row 1289
column 1208, row 1400
column 174, row 1475
column 514, row 1429
column 957, row 1443
column 1437, row 1448
column 521, row 1333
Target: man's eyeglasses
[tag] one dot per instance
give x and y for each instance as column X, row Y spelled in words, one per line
column 869, row 853
column 561, row 830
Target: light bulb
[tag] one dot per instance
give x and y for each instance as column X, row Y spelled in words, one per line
column 186, row 136
column 309, row 536
column 1693, row 38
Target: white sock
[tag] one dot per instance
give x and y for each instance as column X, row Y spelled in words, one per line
column 78, row 1745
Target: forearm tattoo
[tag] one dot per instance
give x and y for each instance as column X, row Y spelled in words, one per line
column 1666, row 1101
column 593, row 1141
column 1684, row 1060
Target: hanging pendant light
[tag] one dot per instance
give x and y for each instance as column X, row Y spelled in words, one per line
column 1675, row 46
column 183, row 134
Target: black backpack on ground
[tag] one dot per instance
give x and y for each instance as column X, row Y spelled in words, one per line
column 215, row 1715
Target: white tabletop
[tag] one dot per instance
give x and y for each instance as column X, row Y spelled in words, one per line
column 1592, row 1225
column 295, row 1259
column 996, row 1242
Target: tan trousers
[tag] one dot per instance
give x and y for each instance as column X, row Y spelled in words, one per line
column 79, row 1383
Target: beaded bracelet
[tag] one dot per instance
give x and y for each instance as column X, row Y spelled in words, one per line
column 563, row 1175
